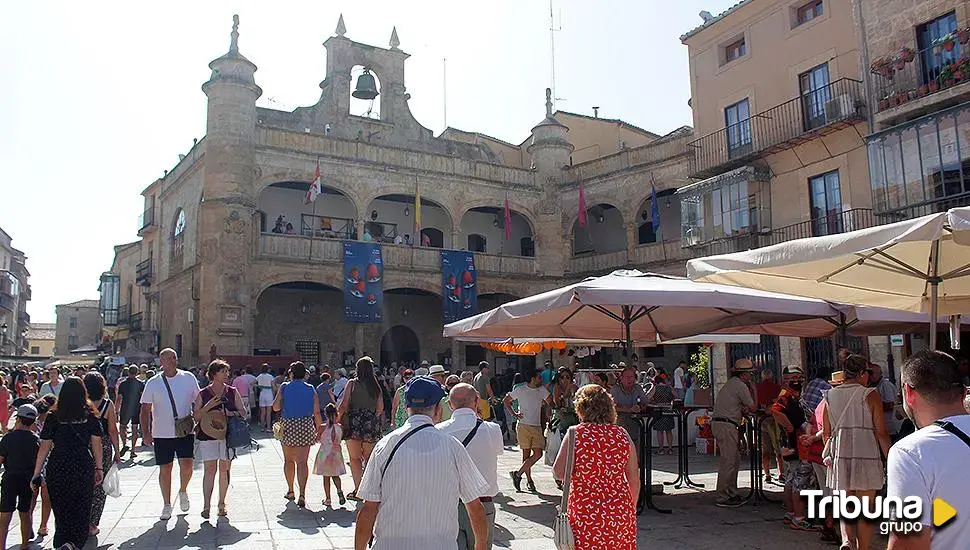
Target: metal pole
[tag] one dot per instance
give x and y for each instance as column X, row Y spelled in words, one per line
column 626, row 325
column 934, row 281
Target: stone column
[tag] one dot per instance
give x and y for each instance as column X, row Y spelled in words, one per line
column 631, row 240
column 359, row 340
column 456, row 243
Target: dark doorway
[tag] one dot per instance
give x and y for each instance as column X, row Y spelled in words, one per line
column 433, row 238
column 399, row 344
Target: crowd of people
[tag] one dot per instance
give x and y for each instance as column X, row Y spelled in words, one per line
column 851, row 431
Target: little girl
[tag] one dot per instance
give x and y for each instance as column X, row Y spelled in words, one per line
column 330, row 458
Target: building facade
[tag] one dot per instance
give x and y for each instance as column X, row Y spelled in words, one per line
column 780, row 114
column 919, row 152
column 232, row 261
column 41, row 339
column 78, row 326
column 14, row 295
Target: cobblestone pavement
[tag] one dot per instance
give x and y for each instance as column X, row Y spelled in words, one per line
column 259, row 517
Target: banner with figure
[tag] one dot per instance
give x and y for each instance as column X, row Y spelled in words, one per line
column 460, row 285
column 363, row 273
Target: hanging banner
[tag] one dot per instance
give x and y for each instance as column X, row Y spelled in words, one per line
column 460, row 285
column 363, row 273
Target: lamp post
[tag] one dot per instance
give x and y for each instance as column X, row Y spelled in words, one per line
column 3, row 336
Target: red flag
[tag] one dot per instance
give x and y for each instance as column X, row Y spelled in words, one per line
column 582, row 206
column 508, row 220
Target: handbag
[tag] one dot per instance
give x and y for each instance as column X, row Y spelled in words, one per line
column 238, row 433
column 828, row 451
column 563, row 536
column 183, row 426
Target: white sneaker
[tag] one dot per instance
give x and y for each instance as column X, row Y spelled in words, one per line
column 166, row 513
column 184, row 501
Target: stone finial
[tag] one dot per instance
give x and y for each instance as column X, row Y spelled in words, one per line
column 234, row 40
column 341, row 28
column 395, row 41
column 548, row 102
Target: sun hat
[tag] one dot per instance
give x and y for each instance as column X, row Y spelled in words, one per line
column 436, row 369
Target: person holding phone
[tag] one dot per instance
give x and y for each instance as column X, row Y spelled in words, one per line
column 71, row 437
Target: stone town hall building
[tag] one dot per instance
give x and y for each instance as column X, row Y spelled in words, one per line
column 230, row 256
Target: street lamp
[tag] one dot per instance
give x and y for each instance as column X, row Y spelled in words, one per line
column 3, row 336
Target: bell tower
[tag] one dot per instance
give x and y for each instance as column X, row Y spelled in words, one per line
column 222, row 301
column 550, row 152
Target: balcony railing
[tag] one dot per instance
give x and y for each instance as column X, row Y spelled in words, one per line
column 143, row 272
column 134, row 322
column 146, row 219
column 848, row 220
column 643, row 255
column 124, row 312
column 896, row 81
column 23, row 318
column 818, row 112
column 296, row 247
column 923, row 209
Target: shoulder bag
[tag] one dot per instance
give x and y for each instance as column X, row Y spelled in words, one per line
column 278, row 425
column 183, row 426
column 563, row 536
column 828, row 452
column 237, row 432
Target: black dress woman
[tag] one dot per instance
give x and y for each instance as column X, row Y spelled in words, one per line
column 72, row 437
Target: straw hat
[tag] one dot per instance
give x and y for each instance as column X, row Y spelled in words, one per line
column 837, row 378
column 214, row 423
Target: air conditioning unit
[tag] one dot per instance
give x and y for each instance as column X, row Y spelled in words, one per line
column 839, row 108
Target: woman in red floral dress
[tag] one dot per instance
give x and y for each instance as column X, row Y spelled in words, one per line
column 605, row 481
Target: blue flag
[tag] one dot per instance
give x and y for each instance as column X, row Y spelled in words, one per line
column 654, row 209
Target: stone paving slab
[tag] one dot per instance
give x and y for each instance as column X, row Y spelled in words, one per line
column 260, row 519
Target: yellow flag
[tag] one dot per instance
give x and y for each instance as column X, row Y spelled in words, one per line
column 417, row 213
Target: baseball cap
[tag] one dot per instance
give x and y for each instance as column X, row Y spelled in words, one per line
column 792, row 370
column 27, row 411
column 423, row 391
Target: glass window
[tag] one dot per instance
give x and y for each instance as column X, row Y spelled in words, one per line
column 928, row 156
column 178, row 237
column 894, row 172
column 877, row 176
column 72, row 342
column 735, row 50
column 809, row 11
column 737, row 119
column 72, row 322
column 814, row 86
column 692, row 220
column 716, row 213
column 932, row 59
column 825, row 195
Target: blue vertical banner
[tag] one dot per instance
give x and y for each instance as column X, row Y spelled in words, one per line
column 363, row 276
column 459, row 282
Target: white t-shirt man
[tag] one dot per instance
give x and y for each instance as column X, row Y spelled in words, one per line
column 184, row 390
column 931, row 463
column 679, row 378
column 484, row 448
column 530, row 403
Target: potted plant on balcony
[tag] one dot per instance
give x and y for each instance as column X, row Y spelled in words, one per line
column 882, row 66
column 884, row 103
column 946, row 42
column 946, row 76
column 922, row 90
column 898, row 62
column 907, row 54
column 963, row 35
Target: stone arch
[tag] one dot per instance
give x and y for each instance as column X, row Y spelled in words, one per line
column 284, row 175
column 515, row 206
column 430, row 284
column 355, row 104
column 591, row 239
column 334, row 280
column 408, row 191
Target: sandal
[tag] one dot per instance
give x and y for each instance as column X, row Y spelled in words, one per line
column 301, row 503
column 205, row 513
column 222, row 511
column 42, row 532
column 353, row 496
column 290, row 496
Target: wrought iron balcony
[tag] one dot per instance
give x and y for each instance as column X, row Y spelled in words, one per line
column 146, row 219
column 816, row 113
column 909, row 76
column 23, row 318
column 124, row 312
column 8, row 301
column 134, row 322
column 143, row 272
column 848, row 220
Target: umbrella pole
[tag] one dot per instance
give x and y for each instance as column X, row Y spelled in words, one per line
column 627, row 321
column 934, row 311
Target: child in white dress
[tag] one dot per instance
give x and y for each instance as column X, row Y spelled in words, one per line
column 330, row 458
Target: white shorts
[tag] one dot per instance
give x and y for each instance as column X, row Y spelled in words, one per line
column 214, row 449
column 266, row 398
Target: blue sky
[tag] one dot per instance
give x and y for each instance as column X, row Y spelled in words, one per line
column 100, row 98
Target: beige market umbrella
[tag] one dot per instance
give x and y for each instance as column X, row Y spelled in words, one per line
column 919, row 265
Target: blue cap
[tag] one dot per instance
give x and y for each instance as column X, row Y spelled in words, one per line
column 422, row 392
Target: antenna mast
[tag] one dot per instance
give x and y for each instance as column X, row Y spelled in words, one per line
column 444, row 86
column 552, row 50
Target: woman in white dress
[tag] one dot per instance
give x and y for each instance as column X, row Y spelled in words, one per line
column 264, row 389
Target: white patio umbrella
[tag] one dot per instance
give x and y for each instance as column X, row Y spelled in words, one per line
column 919, row 265
column 634, row 306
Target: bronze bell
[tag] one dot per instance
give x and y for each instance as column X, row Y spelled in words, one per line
column 366, row 86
